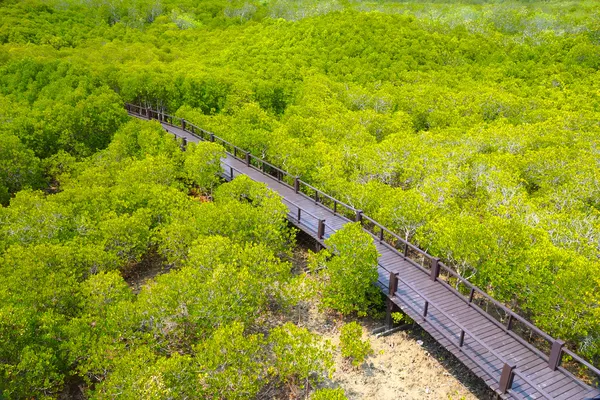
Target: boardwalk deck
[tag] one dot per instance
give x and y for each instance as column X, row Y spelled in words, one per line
column 487, row 347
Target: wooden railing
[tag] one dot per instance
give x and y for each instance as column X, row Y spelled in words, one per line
column 509, row 371
column 547, row 347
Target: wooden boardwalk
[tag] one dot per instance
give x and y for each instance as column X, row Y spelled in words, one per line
column 509, row 365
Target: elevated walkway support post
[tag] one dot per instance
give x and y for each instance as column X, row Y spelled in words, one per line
column 507, row 377
column 358, row 217
column 183, row 144
column 393, row 288
column 435, row 269
column 321, row 229
column 555, row 354
column 320, row 232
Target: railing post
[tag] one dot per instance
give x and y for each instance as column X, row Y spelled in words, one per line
column 248, row 158
column 148, row 114
column 316, row 196
column 425, row 310
column 358, row 217
column 230, row 173
column 405, row 249
column 392, row 288
column 509, row 322
column 555, row 354
column 461, row 340
column 435, row 268
column 212, row 137
column 507, row 377
column 183, row 144
column 471, row 296
column 299, row 213
column 183, row 124
column 380, row 235
column 321, row 229
column 296, row 184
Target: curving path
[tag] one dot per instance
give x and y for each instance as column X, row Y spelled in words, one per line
column 482, row 344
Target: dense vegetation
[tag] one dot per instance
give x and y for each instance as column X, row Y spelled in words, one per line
column 206, row 326
column 471, row 128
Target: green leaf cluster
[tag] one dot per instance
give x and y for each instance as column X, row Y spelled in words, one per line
column 352, row 345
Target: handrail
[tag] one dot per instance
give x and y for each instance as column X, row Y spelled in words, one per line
column 318, row 197
column 581, row 361
column 513, row 371
column 445, row 314
column 360, row 216
column 300, row 208
column 508, row 311
column 394, row 235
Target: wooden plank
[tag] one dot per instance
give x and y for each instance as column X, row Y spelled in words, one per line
column 387, row 260
column 547, row 377
column 561, row 381
column 573, row 393
column 464, row 312
column 412, row 274
column 462, row 356
column 492, row 337
column 523, row 389
column 510, row 346
column 532, row 367
column 483, row 327
column 521, row 356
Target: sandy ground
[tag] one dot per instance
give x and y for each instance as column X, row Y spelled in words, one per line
column 408, row 364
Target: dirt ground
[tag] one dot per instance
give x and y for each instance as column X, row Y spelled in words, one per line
column 408, row 364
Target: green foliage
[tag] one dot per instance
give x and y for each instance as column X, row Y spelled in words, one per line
column 350, row 271
column 19, row 168
column 231, row 363
column 352, row 345
column 300, row 357
column 202, row 164
column 259, row 210
column 67, row 310
column 471, row 130
column 399, row 317
column 328, row 394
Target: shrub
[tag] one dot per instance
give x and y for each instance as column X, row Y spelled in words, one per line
column 329, row 394
column 299, row 355
column 350, row 275
column 351, row 344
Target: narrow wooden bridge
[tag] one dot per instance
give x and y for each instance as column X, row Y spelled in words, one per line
column 485, row 335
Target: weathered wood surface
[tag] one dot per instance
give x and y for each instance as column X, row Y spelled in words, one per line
column 486, row 348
